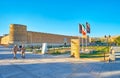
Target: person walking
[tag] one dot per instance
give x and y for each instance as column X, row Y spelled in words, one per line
column 15, row 49
column 23, row 52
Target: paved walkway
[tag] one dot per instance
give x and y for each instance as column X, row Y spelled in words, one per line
column 48, row 66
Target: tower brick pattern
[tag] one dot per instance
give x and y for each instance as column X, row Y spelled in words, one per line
column 17, row 34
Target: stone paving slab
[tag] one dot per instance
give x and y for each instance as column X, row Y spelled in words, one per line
column 62, row 66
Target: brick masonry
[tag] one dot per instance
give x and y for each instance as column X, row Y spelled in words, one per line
column 18, row 34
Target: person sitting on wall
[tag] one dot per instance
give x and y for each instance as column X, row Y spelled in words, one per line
column 23, row 52
column 15, row 49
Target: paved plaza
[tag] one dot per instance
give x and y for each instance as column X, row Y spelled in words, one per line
column 54, row 66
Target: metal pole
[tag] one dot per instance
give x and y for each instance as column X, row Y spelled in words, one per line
column 86, row 42
column 31, row 38
column 82, row 43
column 106, row 42
column 104, row 56
column 108, row 45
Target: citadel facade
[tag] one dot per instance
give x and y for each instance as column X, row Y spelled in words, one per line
column 18, row 34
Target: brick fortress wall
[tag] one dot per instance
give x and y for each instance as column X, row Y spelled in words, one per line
column 18, row 34
column 0, row 39
column 5, row 40
column 39, row 37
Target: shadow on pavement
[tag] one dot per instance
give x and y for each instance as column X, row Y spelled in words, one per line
column 60, row 70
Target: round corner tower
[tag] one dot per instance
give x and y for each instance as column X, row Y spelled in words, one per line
column 17, row 34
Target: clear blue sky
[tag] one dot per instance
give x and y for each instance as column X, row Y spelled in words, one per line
column 61, row 16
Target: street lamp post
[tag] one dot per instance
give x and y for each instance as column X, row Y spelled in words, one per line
column 107, row 41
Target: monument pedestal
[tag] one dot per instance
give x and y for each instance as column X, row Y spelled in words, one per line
column 75, row 48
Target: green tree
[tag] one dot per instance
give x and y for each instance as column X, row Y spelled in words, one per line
column 117, row 40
